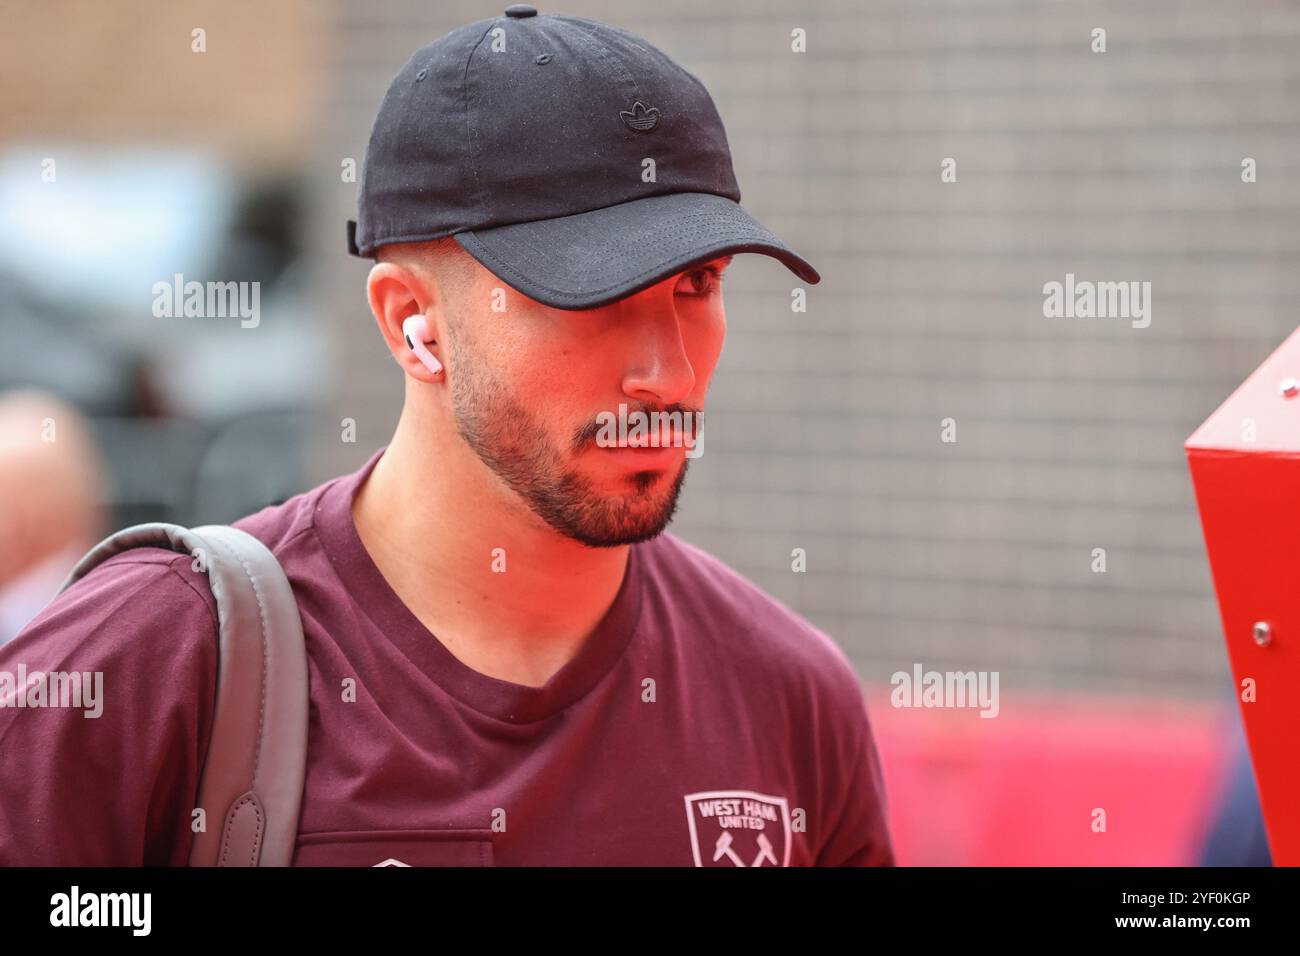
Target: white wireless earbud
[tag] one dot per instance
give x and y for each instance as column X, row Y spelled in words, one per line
column 416, row 331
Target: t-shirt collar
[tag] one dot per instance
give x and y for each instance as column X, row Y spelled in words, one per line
column 364, row 585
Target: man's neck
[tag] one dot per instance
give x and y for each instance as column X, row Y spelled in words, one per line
column 432, row 519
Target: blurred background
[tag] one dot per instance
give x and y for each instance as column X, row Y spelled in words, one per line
column 127, row 158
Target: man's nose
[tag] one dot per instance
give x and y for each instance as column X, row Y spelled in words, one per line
column 658, row 367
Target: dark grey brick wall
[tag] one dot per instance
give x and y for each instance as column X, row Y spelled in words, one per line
column 824, row 428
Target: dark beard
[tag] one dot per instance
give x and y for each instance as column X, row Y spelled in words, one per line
column 504, row 436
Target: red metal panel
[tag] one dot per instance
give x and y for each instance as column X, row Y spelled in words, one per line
column 1245, row 465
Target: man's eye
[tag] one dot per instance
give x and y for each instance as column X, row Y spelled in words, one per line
column 701, row 281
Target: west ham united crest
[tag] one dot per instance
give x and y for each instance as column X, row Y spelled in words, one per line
column 738, row 828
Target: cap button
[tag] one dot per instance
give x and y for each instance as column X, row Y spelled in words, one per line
column 520, row 10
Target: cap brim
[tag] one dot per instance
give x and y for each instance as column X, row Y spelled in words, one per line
column 594, row 258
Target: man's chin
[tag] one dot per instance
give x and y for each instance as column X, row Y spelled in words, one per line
column 627, row 518
column 613, row 538
column 614, row 528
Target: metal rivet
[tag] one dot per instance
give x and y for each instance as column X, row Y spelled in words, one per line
column 422, row 74
column 1290, row 387
column 1263, row 633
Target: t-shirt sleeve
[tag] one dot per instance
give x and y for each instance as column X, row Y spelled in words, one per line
column 117, row 677
column 860, row 834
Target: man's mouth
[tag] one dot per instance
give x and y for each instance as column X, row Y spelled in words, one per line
column 665, row 439
column 642, row 453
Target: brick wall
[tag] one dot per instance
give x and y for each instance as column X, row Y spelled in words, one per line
column 86, row 71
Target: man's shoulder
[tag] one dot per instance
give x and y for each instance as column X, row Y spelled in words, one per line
column 279, row 525
column 169, row 572
column 748, row 623
column 143, row 611
column 131, row 595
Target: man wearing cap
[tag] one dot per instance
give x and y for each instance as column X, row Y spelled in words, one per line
column 511, row 661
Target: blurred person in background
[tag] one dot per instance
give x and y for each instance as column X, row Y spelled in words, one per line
column 51, row 494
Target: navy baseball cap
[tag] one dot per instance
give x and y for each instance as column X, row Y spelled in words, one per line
column 575, row 161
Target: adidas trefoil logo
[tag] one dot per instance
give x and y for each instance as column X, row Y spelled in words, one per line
column 639, row 118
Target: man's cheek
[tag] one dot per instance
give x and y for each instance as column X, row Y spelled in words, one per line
column 710, row 354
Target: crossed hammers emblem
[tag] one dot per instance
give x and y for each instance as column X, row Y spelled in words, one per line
column 723, row 848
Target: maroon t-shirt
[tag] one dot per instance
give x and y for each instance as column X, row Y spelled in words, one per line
column 755, row 751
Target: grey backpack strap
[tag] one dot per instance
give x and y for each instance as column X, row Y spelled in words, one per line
column 256, row 763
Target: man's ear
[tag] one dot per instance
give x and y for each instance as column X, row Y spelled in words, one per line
column 397, row 292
